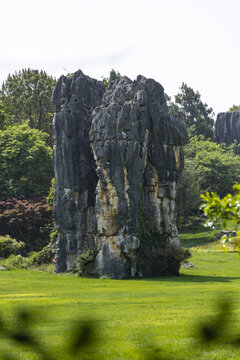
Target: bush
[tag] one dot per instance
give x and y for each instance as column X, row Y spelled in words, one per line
column 83, row 260
column 168, row 260
column 9, row 246
column 26, row 220
column 45, row 256
column 16, row 262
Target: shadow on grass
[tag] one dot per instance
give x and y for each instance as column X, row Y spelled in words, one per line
column 192, row 278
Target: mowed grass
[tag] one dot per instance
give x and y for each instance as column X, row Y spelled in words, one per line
column 131, row 316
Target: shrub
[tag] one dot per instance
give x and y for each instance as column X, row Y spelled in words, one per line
column 156, row 255
column 26, row 220
column 168, row 260
column 16, row 262
column 45, row 256
column 83, row 260
column 9, row 246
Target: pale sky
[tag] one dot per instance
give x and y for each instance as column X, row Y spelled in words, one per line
column 171, row 41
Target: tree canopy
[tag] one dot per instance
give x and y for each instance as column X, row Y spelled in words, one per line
column 208, row 167
column 25, row 162
column 3, row 117
column 218, row 166
column 234, row 108
column 26, row 95
column 226, row 209
column 196, row 115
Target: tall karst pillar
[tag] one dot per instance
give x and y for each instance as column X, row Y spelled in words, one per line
column 74, row 98
column 118, row 176
column 138, row 153
column 227, row 127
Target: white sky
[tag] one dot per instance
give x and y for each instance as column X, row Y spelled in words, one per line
column 172, row 41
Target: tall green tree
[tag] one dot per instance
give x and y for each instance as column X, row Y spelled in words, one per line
column 3, row 117
column 217, row 165
column 189, row 192
column 208, row 167
column 196, row 115
column 25, row 162
column 26, row 95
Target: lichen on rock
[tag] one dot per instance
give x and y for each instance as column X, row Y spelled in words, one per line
column 122, row 158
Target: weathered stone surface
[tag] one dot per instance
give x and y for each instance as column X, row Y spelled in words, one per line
column 137, row 149
column 104, row 203
column 75, row 98
column 227, row 127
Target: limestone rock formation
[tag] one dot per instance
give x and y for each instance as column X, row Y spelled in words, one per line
column 117, row 159
column 227, row 127
column 75, row 98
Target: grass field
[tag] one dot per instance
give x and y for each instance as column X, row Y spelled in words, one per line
column 132, row 317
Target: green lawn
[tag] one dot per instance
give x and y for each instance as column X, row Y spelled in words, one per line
column 131, row 316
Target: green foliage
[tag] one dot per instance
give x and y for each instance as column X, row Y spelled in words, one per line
column 50, row 195
column 149, row 238
column 45, row 256
column 24, row 220
column 54, row 233
column 86, row 258
column 53, row 230
column 26, row 95
column 208, row 167
column 156, row 255
column 169, row 260
column 218, row 168
column 3, row 117
column 235, row 147
column 25, row 162
column 16, row 262
column 226, row 211
column 47, row 232
column 114, row 75
column 9, row 246
column 196, row 115
column 234, row 108
column 188, row 194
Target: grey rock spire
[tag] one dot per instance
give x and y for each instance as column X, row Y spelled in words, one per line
column 117, row 159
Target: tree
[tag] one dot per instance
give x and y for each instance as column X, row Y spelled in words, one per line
column 25, row 162
column 196, row 115
column 217, row 165
column 234, row 108
column 3, row 117
column 226, row 211
column 26, row 95
column 208, row 167
column 114, row 75
column 188, row 195
column 26, row 220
